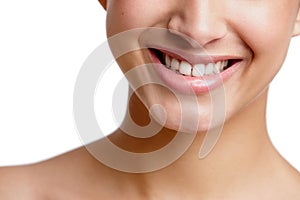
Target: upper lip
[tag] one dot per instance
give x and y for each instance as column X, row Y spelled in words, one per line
column 195, row 58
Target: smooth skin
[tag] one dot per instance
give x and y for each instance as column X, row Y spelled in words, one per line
column 243, row 165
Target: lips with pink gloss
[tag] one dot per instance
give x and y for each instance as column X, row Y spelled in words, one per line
column 189, row 74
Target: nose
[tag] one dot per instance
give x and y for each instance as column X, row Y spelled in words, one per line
column 200, row 20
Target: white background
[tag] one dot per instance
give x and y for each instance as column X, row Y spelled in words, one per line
column 42, row 47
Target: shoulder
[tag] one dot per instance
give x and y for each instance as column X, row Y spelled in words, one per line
column 17, row 183
column 294, row 185
column 67, row 176
column 287, row 183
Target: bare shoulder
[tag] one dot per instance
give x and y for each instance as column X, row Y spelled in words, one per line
column 69, row 176
column 288, row 184
column 295, row 185
column 17, row 183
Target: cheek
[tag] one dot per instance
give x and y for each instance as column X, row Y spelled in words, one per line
column 120, row 17
column 266, row 26
column 267, row 34
column 129, row 14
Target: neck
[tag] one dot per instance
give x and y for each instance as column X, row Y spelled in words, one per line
column 239, row 154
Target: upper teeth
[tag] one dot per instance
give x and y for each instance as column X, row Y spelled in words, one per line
column 186, row 68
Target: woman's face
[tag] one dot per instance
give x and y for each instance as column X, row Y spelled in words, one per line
column 241, row 43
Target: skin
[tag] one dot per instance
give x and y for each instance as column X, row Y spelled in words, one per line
column 243, row 165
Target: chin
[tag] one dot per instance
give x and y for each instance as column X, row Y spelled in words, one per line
column 188, row 114
column 190, row 122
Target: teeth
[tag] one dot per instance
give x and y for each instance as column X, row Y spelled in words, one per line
column 198, row 70
column 175, row 64
column 209, row 69
column 225, row 63
column 218, row 67
column 168, row 61
column 185, row 68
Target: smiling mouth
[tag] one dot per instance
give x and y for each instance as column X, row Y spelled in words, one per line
column 185, row 68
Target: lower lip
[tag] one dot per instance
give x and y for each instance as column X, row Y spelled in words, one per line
column 189, row 84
